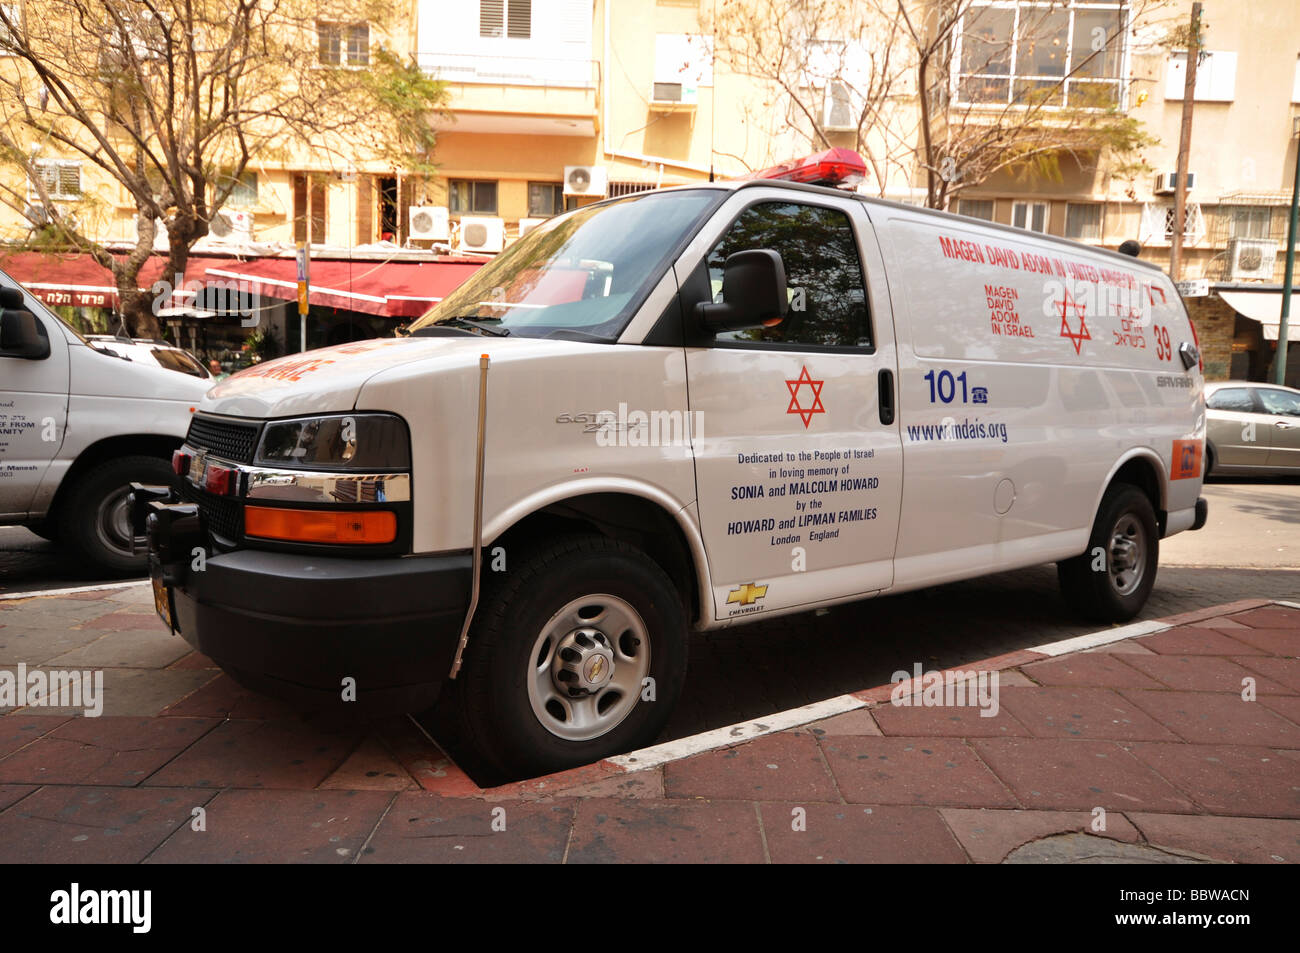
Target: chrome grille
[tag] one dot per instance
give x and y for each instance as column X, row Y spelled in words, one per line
column 228, row 439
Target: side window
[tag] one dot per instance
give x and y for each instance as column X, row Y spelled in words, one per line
column 1232, row 398
column 828, row 298
column 1280, row 402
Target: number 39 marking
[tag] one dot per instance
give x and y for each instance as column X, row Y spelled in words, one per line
column 1164, row 350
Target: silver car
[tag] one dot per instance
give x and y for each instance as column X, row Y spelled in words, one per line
column 1253, row 429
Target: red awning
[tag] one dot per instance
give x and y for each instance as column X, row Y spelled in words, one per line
column 77, row 279
column 398, row 289
column 402, row 289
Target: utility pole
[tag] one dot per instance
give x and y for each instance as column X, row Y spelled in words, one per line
column 1283, row 328
column 1185, row 144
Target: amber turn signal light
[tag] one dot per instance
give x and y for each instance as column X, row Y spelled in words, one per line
column 320, row 526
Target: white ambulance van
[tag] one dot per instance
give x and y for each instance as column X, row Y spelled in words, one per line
column 78, row 424
column 674, row 411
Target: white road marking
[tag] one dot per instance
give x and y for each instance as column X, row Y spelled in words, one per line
column 1104, row 637
column 64, row 592
column 735, row 734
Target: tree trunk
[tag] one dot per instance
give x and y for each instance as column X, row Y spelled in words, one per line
column 137, row 308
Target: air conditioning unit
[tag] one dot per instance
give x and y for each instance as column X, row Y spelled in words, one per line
column 837, row 108
column 526, row 225
column 430, row 223
column 1251, row 258
column 675, row 92
column 231, row 227
column 481, row 233
column 1167, row 182
column 585, row 180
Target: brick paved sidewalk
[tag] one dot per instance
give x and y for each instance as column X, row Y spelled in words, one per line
column 1150, row 735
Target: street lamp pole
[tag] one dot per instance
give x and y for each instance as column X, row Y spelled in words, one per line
column 1279, row 372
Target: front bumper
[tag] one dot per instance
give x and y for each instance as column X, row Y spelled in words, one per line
column 297, row 626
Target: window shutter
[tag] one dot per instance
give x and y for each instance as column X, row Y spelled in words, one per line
column 365, row 210
column 318, row 211
column 69, row 179
column 519, row 23
column 491, row 18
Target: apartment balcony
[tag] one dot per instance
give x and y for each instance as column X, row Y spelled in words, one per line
column 519, row 95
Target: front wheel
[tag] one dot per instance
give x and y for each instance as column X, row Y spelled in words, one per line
column 95, row 520
column 1112, row 580
column 577, row 653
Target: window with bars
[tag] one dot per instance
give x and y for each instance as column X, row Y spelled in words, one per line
column 61, row 179
column 1191, row 220
column 1251, row 221
column 512, row 19
column 1023, row 52
column 343, row 44
column 1083, row 221
column 629, row 188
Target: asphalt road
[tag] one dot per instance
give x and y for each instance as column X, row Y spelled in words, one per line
column 1249, row 548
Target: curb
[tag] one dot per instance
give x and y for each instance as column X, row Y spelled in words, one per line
column 73, row 590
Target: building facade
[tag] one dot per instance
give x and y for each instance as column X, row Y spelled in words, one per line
column 559, row 103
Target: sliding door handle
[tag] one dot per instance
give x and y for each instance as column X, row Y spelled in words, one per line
column 886, row 379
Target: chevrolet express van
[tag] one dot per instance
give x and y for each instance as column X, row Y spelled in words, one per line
column 78, row 424
column 679, row 410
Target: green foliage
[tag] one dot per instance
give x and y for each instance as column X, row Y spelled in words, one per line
column 409, row 99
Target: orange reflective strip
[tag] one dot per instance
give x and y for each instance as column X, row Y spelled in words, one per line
column 320, row 526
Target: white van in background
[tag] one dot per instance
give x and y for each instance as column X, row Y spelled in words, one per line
column 683, row 409
column 78, row 425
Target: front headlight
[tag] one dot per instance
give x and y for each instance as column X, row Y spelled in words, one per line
column 372, row 442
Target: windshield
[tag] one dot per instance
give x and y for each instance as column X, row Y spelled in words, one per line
column 582, row 272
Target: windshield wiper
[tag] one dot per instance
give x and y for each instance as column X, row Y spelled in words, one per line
column 473, row 324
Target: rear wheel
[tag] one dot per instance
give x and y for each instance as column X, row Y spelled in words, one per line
column 577, row 653
column 1209, row 463
column 94, row 519
column 1112, row 580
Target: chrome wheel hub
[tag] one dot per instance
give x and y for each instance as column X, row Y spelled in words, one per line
column 113, row 520
column 1128, row 544
column 588, row 666
column 584, row 662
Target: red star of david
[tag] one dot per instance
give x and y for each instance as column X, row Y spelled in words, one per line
column 796, row 406
column 1066, row 304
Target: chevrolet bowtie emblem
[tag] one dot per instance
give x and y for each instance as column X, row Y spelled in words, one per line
column 747, row 594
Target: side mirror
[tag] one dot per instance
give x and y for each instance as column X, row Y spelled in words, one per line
column 21, row 335
column 753, row 292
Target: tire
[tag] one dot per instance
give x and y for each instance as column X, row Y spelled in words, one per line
column 45, row 529
column 1209, row 464
column 93, row 523
column 539, row 630
column 1125, row 531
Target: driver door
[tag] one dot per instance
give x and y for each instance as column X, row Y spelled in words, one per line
column 799, row 461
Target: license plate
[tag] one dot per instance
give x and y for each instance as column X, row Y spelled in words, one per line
column 162, row 601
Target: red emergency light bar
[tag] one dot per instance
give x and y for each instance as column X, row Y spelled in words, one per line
column 838, row 168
